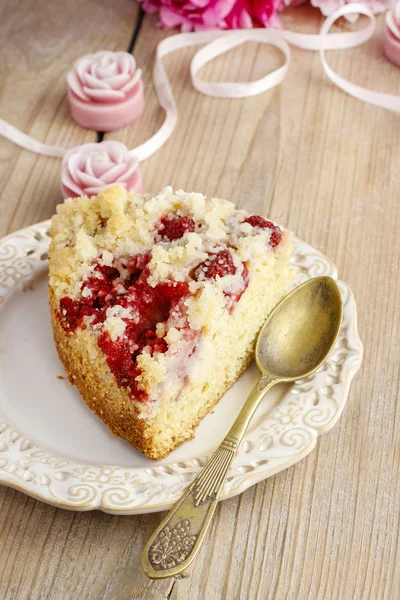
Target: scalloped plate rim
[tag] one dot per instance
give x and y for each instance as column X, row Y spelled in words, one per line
column 100, row 503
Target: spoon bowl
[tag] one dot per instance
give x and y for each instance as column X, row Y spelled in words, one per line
column 300, row 332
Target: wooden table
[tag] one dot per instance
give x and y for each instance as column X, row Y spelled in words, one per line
column 310, row 157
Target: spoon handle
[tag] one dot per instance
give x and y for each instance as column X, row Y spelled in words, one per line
column 178, row 538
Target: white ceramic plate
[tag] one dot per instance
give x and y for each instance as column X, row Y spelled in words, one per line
column 53, row 448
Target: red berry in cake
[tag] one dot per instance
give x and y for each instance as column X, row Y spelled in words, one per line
column 171, row 291
column 176, row 227
column 135, row 264
column 257, row 221
column 119, row 359
column 148, row 305
column 73, row 312
column 276, row 236
column 217, row 265
column 152, row 342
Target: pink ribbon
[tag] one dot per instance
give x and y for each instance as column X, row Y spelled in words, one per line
column 218, row 42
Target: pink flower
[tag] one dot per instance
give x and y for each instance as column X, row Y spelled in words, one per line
column 196, row 15
column 104, row 76
column 88, row 168
column 247, row 13
column 105, row 90
column 212, row 14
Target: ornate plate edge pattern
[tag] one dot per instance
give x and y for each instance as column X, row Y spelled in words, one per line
column 311, row 407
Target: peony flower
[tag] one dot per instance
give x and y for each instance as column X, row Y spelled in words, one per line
column 196, row 15
column 105, row 90
column 247, row 13
column 88, row 168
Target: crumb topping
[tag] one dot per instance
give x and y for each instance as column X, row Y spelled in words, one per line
column 144, row 272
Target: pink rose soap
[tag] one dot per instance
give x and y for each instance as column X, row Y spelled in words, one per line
column 156, row 304
column 86, row 169
column 105, row 90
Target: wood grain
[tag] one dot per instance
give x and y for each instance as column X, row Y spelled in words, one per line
column 328, row 167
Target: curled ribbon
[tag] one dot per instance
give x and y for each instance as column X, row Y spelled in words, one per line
column 218, row 42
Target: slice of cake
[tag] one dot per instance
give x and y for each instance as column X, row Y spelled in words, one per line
column 156, row 302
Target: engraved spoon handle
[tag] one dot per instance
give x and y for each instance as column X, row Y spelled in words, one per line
column 177, row 540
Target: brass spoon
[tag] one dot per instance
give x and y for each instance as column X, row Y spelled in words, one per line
column 295, row 340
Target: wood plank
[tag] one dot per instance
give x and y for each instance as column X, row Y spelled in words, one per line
column 39, row 43
column 62, row 555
